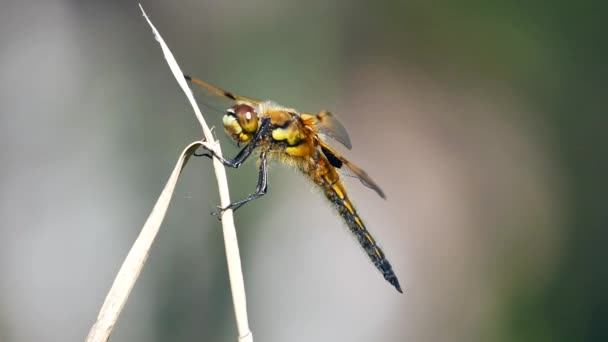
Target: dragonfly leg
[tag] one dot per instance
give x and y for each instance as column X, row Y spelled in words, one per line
column 260, row 190
column 240, row 158
column 235, row 162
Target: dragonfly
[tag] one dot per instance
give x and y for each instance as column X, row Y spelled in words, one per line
column 271, row 131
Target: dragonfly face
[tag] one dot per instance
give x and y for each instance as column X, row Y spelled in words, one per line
column 297, row 139
column 241, row 122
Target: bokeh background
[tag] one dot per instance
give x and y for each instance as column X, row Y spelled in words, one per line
column 484, row 122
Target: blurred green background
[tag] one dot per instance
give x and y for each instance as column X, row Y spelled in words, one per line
column 484, row 122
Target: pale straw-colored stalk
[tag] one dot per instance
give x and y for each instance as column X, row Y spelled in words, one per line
column 133, row 264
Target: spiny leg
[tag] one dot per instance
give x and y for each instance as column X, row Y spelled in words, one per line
column 263, row 131
column 260, row 190
column 237, row 161
column 240, row 158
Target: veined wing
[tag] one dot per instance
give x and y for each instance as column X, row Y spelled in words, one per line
column 221, row 92
column 350, row 169
column 326, row 123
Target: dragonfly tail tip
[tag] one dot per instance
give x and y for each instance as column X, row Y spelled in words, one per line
column 395, row 283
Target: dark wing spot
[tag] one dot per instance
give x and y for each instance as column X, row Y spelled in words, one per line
column 333, row 160
column 229, row 95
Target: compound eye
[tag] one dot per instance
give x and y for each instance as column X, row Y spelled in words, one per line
column 247, row 117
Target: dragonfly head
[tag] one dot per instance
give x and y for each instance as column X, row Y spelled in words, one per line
column 241, row 122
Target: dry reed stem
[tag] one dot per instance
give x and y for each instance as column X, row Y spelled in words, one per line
column 131, row 268
column 134, row 262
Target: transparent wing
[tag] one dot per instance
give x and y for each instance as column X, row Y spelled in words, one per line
column 327, row 124
column 348, row 168
column 221, row 92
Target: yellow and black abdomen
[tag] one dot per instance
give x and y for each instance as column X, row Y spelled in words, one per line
column 299, row 148
column 328, row 178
